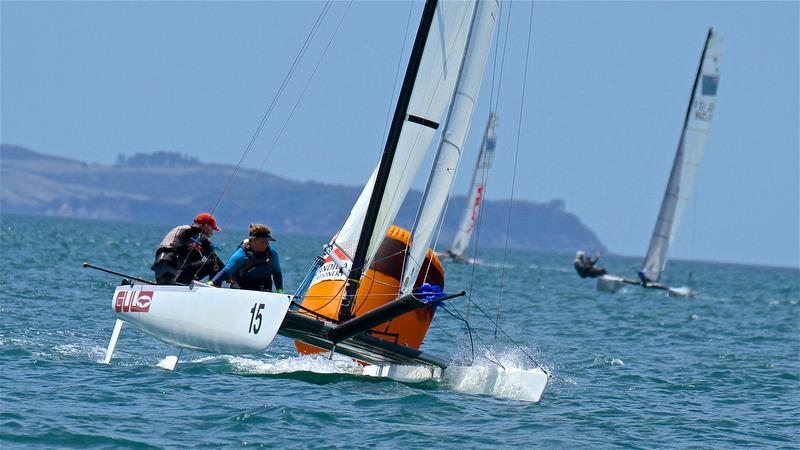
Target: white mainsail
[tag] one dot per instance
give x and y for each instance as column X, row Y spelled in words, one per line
column 448, row 154
column 687, row 158
column 476, row 191
column 432, row 92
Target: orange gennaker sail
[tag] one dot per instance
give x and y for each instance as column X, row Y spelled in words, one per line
column 380, row 285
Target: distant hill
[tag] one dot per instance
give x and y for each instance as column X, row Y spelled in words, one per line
column 169, row 188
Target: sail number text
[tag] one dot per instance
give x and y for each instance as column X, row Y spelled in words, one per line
column 255, row 318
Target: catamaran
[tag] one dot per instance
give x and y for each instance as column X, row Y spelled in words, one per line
column 696, row 127
column 476, row 192
column 372, row 293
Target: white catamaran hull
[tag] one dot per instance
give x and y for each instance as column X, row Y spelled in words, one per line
column 613, row 283
column 201, row 317
column 518, row 384
column 610, row 283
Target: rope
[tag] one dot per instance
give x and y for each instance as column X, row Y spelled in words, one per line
column 485, row 174
column 503, row 57
column 458, row 316
column 514, row 172
column 338, row 293
column 520, row 347
column 418, row 136
column 396, row 77
column 264, row 119
column 259, row 172
column 308, row 82
column 450, row 192
column 271, row 107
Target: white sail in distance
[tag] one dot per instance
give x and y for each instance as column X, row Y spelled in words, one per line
column 476, row 190
column 432, row 93
column 448, row 154
column 687, row 158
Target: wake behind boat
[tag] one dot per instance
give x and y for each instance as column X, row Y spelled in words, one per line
column 374, row 291
column 696, row 127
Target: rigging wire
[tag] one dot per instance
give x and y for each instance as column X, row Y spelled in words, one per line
column 503, row 56
column 299, row 98
column 394, row 87
column 484, row 183
column 278, row 94
column 442, row 215
column 338, row 293
column 391, row 98
column 518, row 345
column 485, row 174
column 514, row 172
column 385, row 133
column 452, row 185
column 496, row 51
column 418, row 136
column 266, row 115
column 458, row 316
column 389, row 109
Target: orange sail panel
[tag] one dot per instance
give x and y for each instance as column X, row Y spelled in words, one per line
column 379, row 286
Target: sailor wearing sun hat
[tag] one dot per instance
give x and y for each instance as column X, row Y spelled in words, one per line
column 186, row 252
column 255, row 264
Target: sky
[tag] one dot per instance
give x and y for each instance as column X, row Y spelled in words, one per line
column 596, row 121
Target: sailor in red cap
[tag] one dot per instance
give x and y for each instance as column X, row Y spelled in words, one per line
column 186, row 253
column 207, row 219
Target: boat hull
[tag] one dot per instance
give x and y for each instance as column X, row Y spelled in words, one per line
column 517, row 384
column 230, row 321
column 613, row 283
column 610, row 283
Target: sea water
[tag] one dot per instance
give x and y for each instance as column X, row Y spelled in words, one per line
column 637, row 368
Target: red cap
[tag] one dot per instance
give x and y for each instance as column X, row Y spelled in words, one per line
column 207, row 219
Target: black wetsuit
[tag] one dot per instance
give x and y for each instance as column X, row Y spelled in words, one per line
column 185, row 254
column 585, row 267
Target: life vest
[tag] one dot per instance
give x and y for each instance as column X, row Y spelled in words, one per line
column 254, row 263
column 173, row 239
column 170, row 246
column 174, row 247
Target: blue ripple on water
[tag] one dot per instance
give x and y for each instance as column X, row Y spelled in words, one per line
column 640, row 369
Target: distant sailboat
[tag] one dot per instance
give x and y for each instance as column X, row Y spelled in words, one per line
column 369, row 296
column 696, row 127
column 476, row 192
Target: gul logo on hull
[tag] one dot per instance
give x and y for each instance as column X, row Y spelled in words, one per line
column 133, row 301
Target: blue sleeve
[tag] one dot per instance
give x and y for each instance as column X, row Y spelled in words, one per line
column 276, row 263
column 235, row 262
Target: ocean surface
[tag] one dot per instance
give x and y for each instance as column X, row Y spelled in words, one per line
column 634, row 369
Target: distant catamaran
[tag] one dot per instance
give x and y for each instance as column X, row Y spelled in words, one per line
column 696, row 127
column 476, row 192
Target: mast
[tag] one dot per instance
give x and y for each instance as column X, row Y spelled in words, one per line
column 687, row 157
column 694, row 90
column 476, row 190
column 400, row 113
